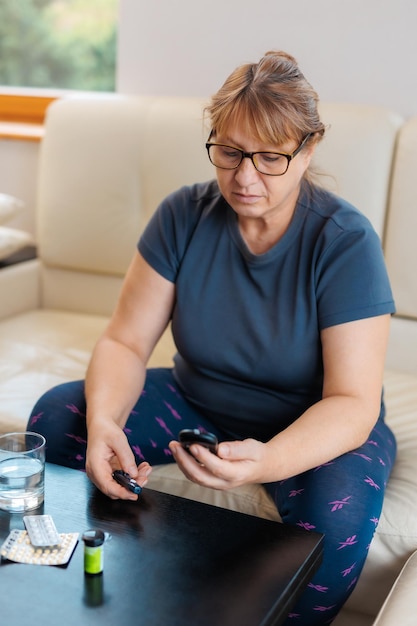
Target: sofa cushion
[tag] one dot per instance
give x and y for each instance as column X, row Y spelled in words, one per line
column 249, row 499
column 88, row 215
column 43, row 348
column 400, row 245
column 399, row 607
column 9, row 207
column 346, row 168
column 12, row 240
column 39, row 349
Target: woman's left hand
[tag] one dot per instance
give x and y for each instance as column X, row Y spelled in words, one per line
column 236, row 463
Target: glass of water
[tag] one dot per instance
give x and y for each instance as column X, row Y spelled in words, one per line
column 22, row 471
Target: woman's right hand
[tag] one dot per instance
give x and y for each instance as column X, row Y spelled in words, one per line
column 107, row 450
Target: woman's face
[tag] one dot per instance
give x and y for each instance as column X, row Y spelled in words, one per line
column 259, row 196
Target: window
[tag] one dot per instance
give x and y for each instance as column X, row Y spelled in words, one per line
column 59, row 44
column 51, row 45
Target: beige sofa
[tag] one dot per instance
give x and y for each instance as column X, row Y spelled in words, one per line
column 105, row 164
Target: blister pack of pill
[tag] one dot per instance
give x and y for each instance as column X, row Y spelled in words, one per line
column 42, row 531
column 18, row 548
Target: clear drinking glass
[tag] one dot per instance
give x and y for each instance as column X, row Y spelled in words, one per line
column 22, row 471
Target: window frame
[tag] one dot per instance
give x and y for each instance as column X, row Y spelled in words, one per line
column 22, row 113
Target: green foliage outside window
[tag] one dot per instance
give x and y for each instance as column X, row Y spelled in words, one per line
column 64, row 44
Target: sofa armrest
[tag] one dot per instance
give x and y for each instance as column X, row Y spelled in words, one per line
column 400, row 604
column 19, row 288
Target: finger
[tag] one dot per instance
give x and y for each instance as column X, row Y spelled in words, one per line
column 186, row 460
column 117, row 492
column 143, row 472
column 125, row 456
column 202, row 466
column 103, row 461
column 248, row 449
column 196, row 454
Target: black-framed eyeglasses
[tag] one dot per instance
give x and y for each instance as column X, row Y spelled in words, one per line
column 270, row 163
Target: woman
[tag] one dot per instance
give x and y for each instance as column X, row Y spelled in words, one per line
column 280, row 307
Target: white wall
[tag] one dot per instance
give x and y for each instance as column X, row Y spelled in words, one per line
column 353, row 50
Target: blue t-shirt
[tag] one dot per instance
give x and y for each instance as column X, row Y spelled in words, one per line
column 247, row 326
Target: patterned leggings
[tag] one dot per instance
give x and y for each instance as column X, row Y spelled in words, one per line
column 342, row 498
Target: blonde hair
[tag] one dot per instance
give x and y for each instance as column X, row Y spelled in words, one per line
column 271, row 99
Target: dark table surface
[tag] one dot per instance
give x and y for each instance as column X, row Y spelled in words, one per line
column 168, row 561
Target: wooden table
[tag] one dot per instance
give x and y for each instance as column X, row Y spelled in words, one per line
column 168, row 561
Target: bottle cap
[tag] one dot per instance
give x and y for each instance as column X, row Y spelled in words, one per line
column 93, row 538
